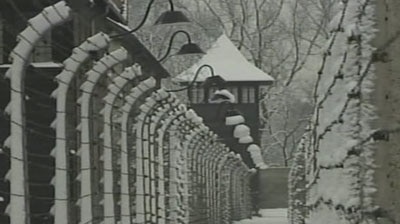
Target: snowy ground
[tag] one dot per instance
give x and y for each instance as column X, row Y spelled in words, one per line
column 269, row 216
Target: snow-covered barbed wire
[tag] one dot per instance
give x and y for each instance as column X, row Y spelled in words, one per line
column 340, row 164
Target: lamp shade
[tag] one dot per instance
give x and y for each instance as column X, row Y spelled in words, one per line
column 172, row 17
column 190, row 48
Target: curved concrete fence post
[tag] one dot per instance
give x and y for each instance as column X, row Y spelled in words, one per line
column 146, row 203
column 165, row 108
column 180, row 127
column 116, row 90
column 167, row 168
column 158, row 129
column 175, row 123
column 203, row 173
column 176, row 213
column 192, row 145
column 79, row 56
column 94, row 76
column 50, row 17
column 128, row 148
column 211, row 156
column 221, row 153
column 225, row 189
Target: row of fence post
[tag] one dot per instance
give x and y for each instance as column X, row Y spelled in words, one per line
column 141, row 156
column 206, row 182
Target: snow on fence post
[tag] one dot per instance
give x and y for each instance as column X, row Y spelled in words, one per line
column 197, row 147
column 208, row 159
column 245, row 175
column 166, row 107
column 236, row 188
column 211, row 177
column 231, row 183
column 173, row 200
column 94, row 76
column 227, row 212
column 79, row 56
column 219, row 161
column 181, row 184
column 223, row 179
column 192, row 174
column 249, row 194
column 213, row 162
column 242, row 204
column 173, row 188
column 195, row 142
column 118, row 86
column 183, row 123
column 297, row 184
column 190, row 144
column 164, row 133
column 162, row 143
column 145, row 162
column 177, row 174
column 142, row 165
column 341, row 182
column 207, row 156
column 194, row 214
column 129, row 109
column 37, row 27
column 204, row 174
column 202, row 147
column 175, row 130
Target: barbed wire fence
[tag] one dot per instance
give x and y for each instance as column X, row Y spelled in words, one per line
column 342, row 137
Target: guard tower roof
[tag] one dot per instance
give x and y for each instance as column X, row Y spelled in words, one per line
column 227, row 62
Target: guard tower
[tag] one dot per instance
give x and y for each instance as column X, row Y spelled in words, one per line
column 242, row 79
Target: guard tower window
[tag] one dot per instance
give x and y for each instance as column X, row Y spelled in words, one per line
column 248, row 94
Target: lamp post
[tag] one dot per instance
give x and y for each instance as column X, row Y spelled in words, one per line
column 213, row 80
column 171, row 16
column 168, row 17
column 189, row 48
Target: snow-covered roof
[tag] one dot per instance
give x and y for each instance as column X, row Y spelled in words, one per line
column 227, row 62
